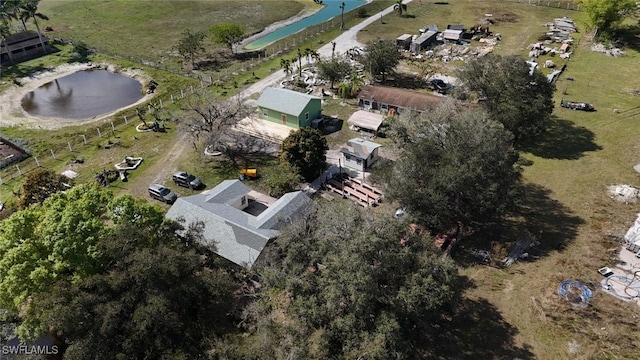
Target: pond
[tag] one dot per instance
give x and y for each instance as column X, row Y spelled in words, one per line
column 330, row 10
column 82, row 95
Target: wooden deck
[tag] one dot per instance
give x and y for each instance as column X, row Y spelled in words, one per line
column 353, row 189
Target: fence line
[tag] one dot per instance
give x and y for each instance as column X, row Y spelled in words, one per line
column 568, row 5
column 102, row 133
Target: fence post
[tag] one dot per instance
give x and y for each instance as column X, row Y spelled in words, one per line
column 125, row 120
column 181, row 94
column 99, row 133
column 37, row 162
column 19, row 171
column 84, row 139
column 69, row 145
column 172, row 101
column 192, row 89
column 53, row 154
column 113, row 128
column 161, row 104
column 149, row 107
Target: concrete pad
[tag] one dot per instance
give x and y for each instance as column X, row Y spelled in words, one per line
column 263, row 129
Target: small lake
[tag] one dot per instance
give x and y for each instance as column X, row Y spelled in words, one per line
column 331, row 9
column 82, row 95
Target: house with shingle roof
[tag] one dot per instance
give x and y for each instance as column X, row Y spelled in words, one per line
column 359, row 154
column 391, row 100
column 288, row 107
column 237, row 223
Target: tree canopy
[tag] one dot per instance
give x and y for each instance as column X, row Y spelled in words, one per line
column 155, row 298
column 347, row 284
column 380, row 57
column 520, row 100
column 606, row 14
column 45, row 243
column 190, row 45
column 110, row 276
column 305, row 150
column 333, row 69
column 39, row 185
column 455, row 167
column 228, row 34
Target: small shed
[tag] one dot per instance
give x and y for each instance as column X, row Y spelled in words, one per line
column 423, row 41
column 288, row 107
column 404, row 41
column 455, row 27
column 22, row 46
column 452, row 35
column 359, row 154
column 366, row 120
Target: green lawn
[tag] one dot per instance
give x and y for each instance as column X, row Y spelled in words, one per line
column 150, row 30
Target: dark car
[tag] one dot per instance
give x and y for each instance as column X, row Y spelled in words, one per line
column 162, row 193
column 187, row 180
column 439, row 85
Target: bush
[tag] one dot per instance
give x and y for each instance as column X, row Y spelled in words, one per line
column 362, row 12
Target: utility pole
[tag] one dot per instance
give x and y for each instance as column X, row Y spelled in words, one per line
column 342, row 16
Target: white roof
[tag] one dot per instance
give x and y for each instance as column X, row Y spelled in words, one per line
column 366, row 120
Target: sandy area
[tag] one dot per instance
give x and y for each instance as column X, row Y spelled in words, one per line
column 12, row 113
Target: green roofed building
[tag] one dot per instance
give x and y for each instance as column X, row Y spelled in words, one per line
column 288, row 107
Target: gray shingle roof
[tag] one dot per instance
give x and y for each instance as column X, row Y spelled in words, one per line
column 360, row 148
column 237, row 236
column 284, row 100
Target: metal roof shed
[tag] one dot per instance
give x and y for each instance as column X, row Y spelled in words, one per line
column 423, row 41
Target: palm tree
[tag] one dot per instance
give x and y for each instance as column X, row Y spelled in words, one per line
column 307, row 54
column 299, row 64
column 285, row 65
column 9, row 11
column 399, row 7
column 28, row 10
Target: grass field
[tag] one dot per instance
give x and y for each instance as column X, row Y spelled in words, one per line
column 512, row 313
column 151, row 29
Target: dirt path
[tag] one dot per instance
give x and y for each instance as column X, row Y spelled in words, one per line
column 162, row 168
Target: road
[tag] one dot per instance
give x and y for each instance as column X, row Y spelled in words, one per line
column 347, row 40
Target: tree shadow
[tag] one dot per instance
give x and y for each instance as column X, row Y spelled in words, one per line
column 406, row 81
column 474, row 330
column 552, row 225
column 628, row 36
column 21, row 70
column 562, row 140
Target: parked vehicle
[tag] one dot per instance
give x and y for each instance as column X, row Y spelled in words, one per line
column 162, row 193
column 187, row 180
column 440, row 86
column 577, row 105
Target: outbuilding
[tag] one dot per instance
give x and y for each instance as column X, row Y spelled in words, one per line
column 451, row 35
column 404, row 41
column 359, row 154
column 423, row 41
column 366, row 120
column 288, row 107
column 22, row 46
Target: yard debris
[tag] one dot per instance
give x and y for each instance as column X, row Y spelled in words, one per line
column 610, row 51
column 625, row 194
column 526, row 241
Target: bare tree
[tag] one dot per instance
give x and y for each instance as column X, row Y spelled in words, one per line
column 207, row 119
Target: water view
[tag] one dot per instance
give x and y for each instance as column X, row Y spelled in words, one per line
column 331, row 9
column 82, row 95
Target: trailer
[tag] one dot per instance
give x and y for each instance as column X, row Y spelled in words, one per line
column 573, row 105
